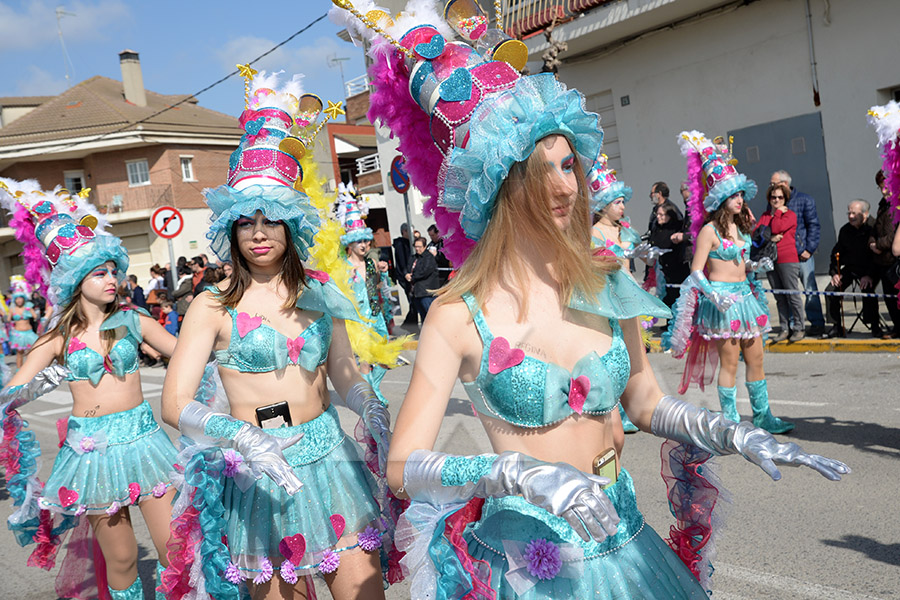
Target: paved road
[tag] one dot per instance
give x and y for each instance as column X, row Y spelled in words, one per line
column 801, row 538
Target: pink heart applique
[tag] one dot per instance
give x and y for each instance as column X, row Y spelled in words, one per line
column 578, row 391
column 293, row 548
column 75, row 345
column 320, row 276
column 246, row 323
column 735, row 325
column 294, row 347
column 610, row 243
column 501, row 356
column 761, row 320
column 67, row 497
column 134, row 492
column 337, row 521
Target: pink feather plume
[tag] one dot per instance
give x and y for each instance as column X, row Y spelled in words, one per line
column 37, row 268
column 891, row 169
column 697, row 189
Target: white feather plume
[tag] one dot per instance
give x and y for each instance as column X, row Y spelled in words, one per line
column 886, row 121
column 692, row 141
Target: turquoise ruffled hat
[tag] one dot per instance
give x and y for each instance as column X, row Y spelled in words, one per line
column 604, row 186
column 721, row 179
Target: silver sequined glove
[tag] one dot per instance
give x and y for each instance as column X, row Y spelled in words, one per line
column 722, row 301
column 711, row 431
column 263, row 452
column 362, row 400
column 558, row 488
column 763, row 265
column 44, row 382
column 645, row 251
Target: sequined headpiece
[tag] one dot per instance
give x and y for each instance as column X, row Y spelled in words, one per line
column 350, row 213
column 717, row 173
column 604, row 186
column 19, row 287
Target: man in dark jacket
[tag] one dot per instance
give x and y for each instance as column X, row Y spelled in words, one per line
column 423, row 276
column 883, row 259
column 851, row 260
column 402, row 259
column 808, row 235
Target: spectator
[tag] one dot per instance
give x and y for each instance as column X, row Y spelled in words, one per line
column 207, row 262
column 883, row 259
column 659, row 193
column 423, row 276
column 157, row 281
column 436, row 247
column 808, row 234
column 227, row 269
column 209, row 281
column 402, row 256
column 672, row 264
column 852, row 254
column 183, row 293
column 198, row 268
column 685, row 234
column 171, row 317
column 137, row 292
column 782, row 222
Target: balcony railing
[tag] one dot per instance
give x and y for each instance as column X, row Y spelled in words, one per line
column 367, row 164
column 355, row 86
column 524, row 17
column 134, row 198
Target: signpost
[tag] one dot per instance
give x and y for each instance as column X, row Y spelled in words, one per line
column 167, row 222
column 400, row 183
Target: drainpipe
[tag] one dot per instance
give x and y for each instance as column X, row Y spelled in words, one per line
column 812, row 57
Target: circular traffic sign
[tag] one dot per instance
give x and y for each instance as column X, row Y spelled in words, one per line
column 399, row 177
column 167, row 222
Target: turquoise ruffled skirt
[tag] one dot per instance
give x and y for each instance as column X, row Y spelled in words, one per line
column 108, row 462
column 21, row 340
column 747, row 318
column 633, row 564
column 335, row 482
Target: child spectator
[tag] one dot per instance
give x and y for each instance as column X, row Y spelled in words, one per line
column 171, row 317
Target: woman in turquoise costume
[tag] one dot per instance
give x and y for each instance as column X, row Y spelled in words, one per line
column 21, row 336
column 113, row 454
column 543, row 336
column 273, row 489
column 723, row 315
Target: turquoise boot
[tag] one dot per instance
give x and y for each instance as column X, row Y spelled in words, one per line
column 762, row 415
column 728, row 400
column 159, row 573
column 134, row 592
column 627, row 425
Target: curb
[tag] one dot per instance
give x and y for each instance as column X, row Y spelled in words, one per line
column 817, row 346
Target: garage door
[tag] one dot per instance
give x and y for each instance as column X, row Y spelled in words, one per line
column 138, row 247
column 603, row 105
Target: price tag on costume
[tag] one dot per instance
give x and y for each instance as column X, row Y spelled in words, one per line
column 399, row 177
column 167, row 222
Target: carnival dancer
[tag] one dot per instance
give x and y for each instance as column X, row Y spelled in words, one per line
column 541, row 333
column 725, row 315
column 277, row 330
column 21, row 336
column 113, row 454
column 886, row 121
column 4, row 319
column 369, row 280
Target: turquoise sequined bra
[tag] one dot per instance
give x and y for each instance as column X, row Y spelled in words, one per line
column 728, row 250
column 86, row 363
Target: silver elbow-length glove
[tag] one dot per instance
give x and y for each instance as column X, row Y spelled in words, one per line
column 645, row 251
column 44, row 382
column 677, row 420
column 362, row 400
column 261, row 451
column 763, row 265
column 560, row 489
column 722, row 301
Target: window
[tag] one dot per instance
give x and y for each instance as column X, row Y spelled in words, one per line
column 138, row 172
column 187, row 168
column 74, row 181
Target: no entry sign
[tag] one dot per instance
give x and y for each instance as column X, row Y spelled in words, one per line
column 399, row 178
column 167, row 222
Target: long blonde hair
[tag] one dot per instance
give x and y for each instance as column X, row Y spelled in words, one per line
column 522, row 209
column 72, row 319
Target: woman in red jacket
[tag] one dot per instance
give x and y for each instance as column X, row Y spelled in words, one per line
column 786, row 275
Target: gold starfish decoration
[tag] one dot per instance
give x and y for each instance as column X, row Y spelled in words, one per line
column 246, row 71
column 334, row 109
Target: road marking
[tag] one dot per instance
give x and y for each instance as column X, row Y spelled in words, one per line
column 786, row 584
column 787, row 402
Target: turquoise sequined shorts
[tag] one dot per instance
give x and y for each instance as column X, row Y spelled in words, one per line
column 108, row 462
column 335, row 481
column 634, row 563
column 747, row 318
column 21, row 340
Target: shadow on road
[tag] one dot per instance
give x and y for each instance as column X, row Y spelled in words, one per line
column 868, row 437
column 4, row 493
column 875, row 550
column 458, row 406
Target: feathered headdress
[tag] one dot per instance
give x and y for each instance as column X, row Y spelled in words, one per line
column 604, row 186
column 464, row 115
column 350, row 213
column 63, row 237
column 886, row 121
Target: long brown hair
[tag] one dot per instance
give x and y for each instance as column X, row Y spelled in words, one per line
column 72, row 319
column 293, row 276
column 721, row 219
column 522, row 209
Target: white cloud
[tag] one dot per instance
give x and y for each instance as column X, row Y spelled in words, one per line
column 34, row 24
column 35, row 81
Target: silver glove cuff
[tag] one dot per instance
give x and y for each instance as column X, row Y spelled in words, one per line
column 193, row 421
column 359, row 396
column 677, row 420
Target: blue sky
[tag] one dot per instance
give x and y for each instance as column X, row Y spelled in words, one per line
column 184, row 46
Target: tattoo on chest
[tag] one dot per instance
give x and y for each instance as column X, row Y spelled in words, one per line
column 91, row 412
column 531, row 349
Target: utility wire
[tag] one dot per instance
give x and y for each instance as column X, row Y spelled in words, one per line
column 186, row 98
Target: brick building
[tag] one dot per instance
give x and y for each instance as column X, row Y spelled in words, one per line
column 135, row 149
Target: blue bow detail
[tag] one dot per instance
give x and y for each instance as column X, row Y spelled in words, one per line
column 457, row 87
